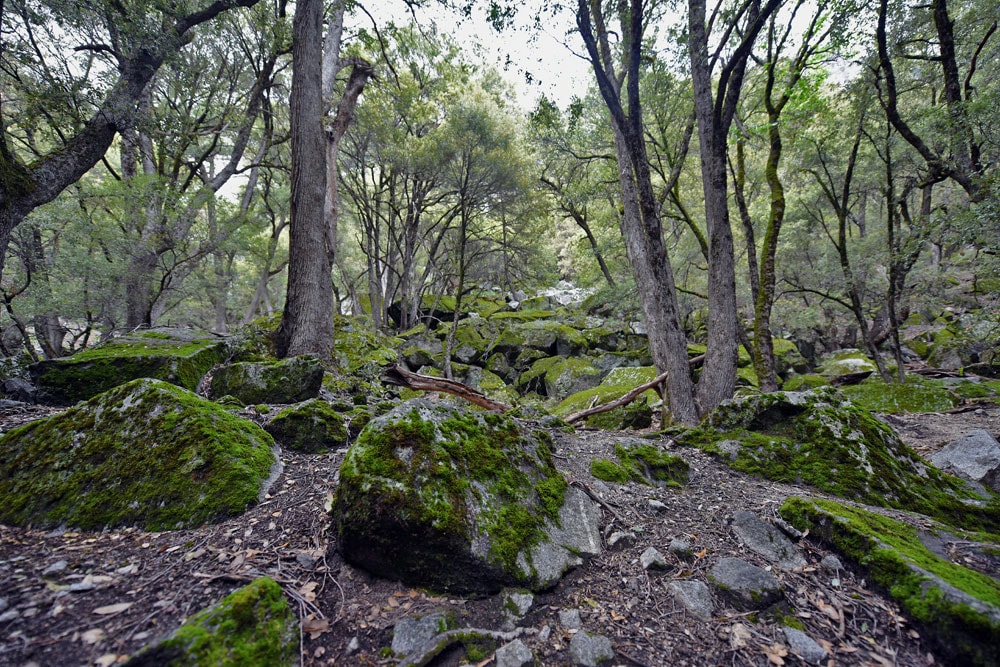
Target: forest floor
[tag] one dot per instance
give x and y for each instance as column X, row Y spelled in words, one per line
column 83, row 598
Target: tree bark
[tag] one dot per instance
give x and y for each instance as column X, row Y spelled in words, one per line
column 307, row 323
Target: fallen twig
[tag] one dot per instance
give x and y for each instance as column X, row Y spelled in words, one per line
column 401, row 377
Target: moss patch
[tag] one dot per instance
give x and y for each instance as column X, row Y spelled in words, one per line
column 642, row 463
column 878, row 396
column 251, row 627
column 146, row 453
column 965, row 622
column 179, row 356
column 287, row 381
column 473, row 490
column 822, row 439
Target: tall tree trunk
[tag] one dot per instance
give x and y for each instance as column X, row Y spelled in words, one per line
column 307, row 323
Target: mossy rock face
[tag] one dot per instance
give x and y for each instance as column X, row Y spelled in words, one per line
column 147, row 453
column 250, row 627
column 787, row 357
column 287, row 381
column 615, row 384
column 360, row 349
column 878, row 396
column 821, row 438
column 958, row 608
column 179, row 356
column 571, row 375
column 447, row 498
column 845, row 362
column 804, row 382
column 313, row 427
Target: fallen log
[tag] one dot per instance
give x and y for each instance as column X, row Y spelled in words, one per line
column 400, row 377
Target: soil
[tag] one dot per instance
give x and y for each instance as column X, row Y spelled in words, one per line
column 95, row 598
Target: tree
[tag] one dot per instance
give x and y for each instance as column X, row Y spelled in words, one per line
column 129, row 43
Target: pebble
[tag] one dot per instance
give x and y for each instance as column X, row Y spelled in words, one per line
column 621, row 538
column 570, row 619
column 9, row 615
column 514, row 654
column 55, row 568
column 831, row 563
column 652, row 558
column 657, row 506
column 680, row 547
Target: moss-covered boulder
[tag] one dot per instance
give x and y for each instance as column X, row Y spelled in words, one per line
column 568, row 376
column 787, row 358
column 845, row 362
column 911, row 396
column 804, row 382
column 457, row 501
column 958, row 608
column 642, row 462
column 615, row 384
column 179, row 356
column 251, row 627
column 313, row 427
column 820, row 438
column 287, row 381
column 146, row 453
column 361, row 349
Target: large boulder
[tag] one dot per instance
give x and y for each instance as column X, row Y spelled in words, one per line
column 615, row 384
column 459, row 501
column 975, row 457
column 251, row 626
column 820, row 438
column 287, row 381
column 957, row 608
column 312, row 426
column 178, row 356
column 146, row 453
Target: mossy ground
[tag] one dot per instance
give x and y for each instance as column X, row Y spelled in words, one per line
column 146, row 453
column 911, row 396
column 430, row 466
column 645, row 464
column 894, row 555
column 251, row 627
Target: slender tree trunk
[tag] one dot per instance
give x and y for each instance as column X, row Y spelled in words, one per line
column 307, row 323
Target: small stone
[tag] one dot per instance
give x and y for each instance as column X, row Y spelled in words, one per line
column 652, row 558
column 680, row 547
column 570, row 619
column 694, row 596
column 763, row 538
column 545, row 633
column 412, row 633
column 55, row 568
column 3, row 605
column 514, row 654
column 306, row 561
column 746, row 586
column 804, row 646
column 831, row 563
column 9, row 615
column 82, row 586
column 621, row 538
column 590, row 650
column 657, row 506
column 353, row 645
column 514, row 605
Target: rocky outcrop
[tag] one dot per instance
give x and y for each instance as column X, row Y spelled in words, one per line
column 147, row 453
column 975, row 457
column 313, row 427
column 287, row 381
column 179, row 356
column 459, row 501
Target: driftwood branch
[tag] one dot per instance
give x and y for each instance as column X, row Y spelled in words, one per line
column 435, row 646
column 654, row 384
column 401, row 377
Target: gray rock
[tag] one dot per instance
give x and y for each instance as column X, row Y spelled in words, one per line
column 652, row 558
column 353, row 646
column 514, row 604
column 680, row 547
column 514, row 654
column 621, row 538
column 975, row 456
column 657, row 506
column 694, row 596
column 411, row 634
column 9, row 615
column 746, row 586
column 55, row 568
column 3, row 605
column 803, row 646
column 590, row 650
column 579, row 534
column 766, row 540
column 570, row 619
column 831, row 563
column 287, row 381
column 545, row 633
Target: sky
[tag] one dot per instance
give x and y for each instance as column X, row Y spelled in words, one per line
column 546, row 55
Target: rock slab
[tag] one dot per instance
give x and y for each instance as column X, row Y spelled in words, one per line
column 745, row 585
column 975, row 456
column 766, row 540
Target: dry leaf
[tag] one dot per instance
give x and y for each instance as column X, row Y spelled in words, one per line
column 93, row 636
column 740, row 636
column 775, row 653
column 106, row 660
column 112, row 608
column 328, row 503
column 308, row 590
column 393, row 602
column 316, row 626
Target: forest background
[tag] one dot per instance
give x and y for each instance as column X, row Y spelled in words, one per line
column 818, row 171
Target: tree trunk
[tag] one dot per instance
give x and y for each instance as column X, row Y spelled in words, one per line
column 307, row 323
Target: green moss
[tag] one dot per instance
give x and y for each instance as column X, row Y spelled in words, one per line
column 616, row 384
column 313, row 427
column 898, row 561
column 609, row 471
column 804, row 382
column 430, row 464
column 145, row 453
column 290, row 380
column 645, row 464
column 251, row 627
column 878, row 396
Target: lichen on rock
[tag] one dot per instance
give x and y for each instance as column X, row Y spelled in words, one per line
column 146, row 453
column 447, row 498
column 250, row 627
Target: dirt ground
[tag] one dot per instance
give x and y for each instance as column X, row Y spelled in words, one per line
column 94, row 598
